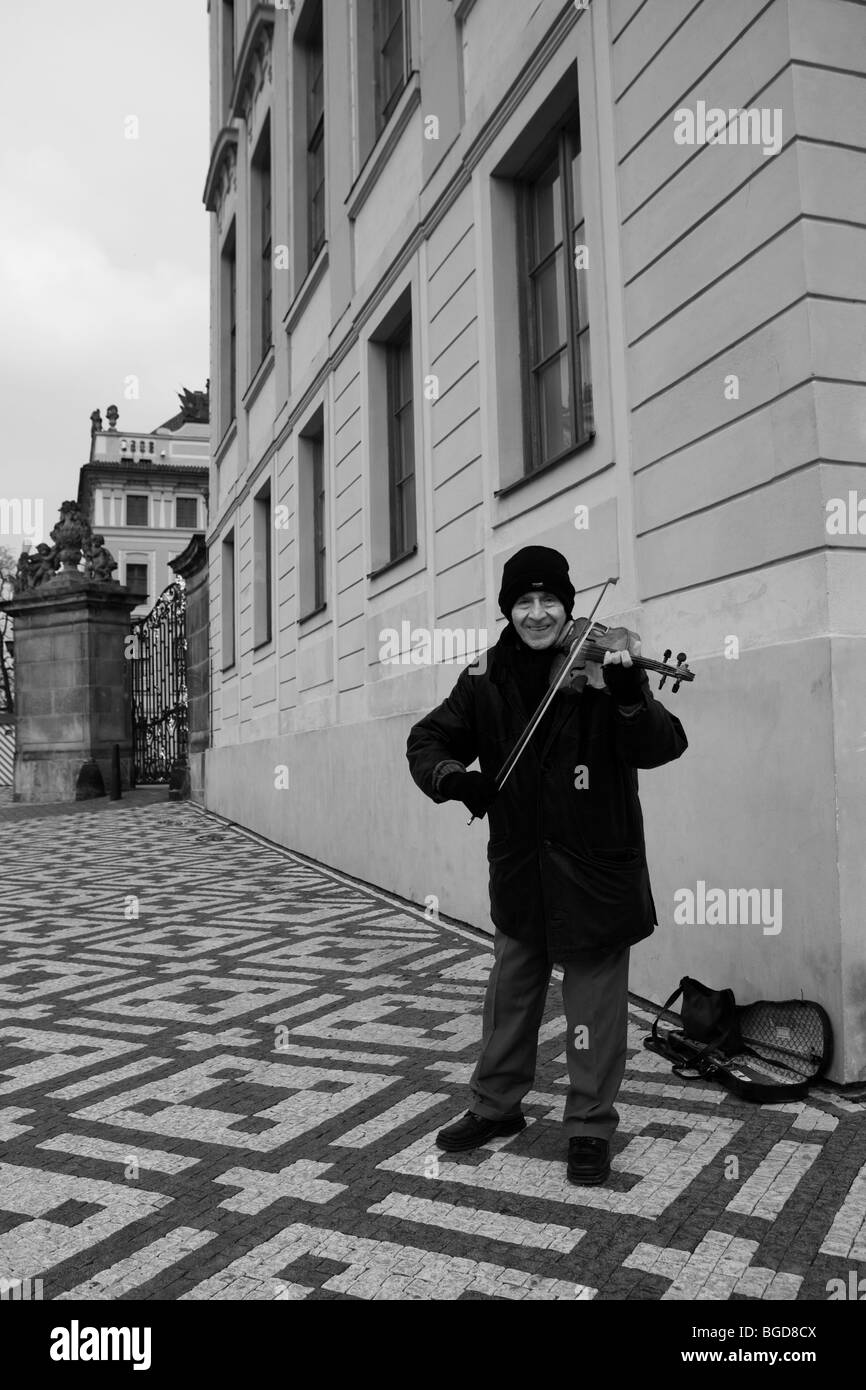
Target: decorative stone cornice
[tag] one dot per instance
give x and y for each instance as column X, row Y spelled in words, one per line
column 254, row 65
column 222, row 170
column 193, row 559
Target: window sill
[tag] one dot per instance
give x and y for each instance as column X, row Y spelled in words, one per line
column 262, row 649
column 392, row 564
column 313, row 613
column 308, row 288
column 314, row 622
column 384, row 146
column 263, row 371
column 226, row 442
column 545, row 468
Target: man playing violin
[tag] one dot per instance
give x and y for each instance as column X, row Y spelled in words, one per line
column 569, row 883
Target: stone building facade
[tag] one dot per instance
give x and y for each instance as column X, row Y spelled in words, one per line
column 487, row 274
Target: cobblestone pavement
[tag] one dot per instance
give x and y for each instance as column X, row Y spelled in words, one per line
column 223, row 1069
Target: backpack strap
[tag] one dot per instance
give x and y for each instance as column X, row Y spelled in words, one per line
column 666, row 1008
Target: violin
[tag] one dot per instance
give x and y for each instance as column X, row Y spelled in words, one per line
column 594, row 651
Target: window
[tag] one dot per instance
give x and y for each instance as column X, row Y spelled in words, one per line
column 229, row 331
column 315, row 65
column 186, row 511
column 228, row 49
column 554, row 320
column 263, row 530
column 262, row 243
column 136, row 510
column 318, row 461
column 391, row 442
column 136, row 580
column 401, row 442
column 228, row 601
column 312, row 535
column 391, row 32
column 384, row 61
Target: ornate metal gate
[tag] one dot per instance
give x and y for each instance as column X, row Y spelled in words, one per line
column 159, row 690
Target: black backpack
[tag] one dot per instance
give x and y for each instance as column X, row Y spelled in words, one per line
column 765, row 1052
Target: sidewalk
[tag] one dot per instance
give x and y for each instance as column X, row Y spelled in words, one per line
column 223, row 1069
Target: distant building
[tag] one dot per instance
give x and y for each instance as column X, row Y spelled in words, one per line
column 147, row 493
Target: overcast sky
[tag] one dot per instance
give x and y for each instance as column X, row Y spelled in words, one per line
column 103, row 239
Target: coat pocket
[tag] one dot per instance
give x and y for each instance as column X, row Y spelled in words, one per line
column 497, row 848
column 601, row 897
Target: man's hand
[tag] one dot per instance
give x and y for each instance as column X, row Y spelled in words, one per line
column 476, row 790
column 620, row 646
column 620, row 675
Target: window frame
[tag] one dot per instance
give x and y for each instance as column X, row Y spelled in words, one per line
column 316, row 153
column 262, row 241
column 233, row 335
column 228, row 595
column 229, row 53
column 562, row 147
column 312, row 516
column 185, row 525
column 383, row 110
column 137, row 497
column 263, row 549
column 228, row 382
column 138, row 565
column 403, row 539
column 320, row 536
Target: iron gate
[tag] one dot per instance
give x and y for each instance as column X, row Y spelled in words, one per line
column 159, row 692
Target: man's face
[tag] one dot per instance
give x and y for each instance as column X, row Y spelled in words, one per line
column 538, row 618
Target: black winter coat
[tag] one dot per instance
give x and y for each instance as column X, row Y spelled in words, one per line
column 567, row 861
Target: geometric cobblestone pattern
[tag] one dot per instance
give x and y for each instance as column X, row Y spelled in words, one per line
column 222, row 1069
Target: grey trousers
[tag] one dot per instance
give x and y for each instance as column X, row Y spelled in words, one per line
column 595, row 998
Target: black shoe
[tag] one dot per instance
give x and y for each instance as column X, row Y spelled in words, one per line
column 588, row 1160
column 473, row 1130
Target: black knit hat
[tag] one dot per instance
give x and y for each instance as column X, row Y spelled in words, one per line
column 536, row 567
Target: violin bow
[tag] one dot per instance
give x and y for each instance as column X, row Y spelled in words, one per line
column 520, row 746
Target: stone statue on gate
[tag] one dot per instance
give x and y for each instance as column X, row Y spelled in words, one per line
column 71, row 534
column 35, row 567
column 73, row 539
column 99, row 563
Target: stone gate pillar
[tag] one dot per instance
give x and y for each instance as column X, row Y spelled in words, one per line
column 192, row 567
column 71, row 674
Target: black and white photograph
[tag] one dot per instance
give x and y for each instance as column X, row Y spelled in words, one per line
column 432, row 672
